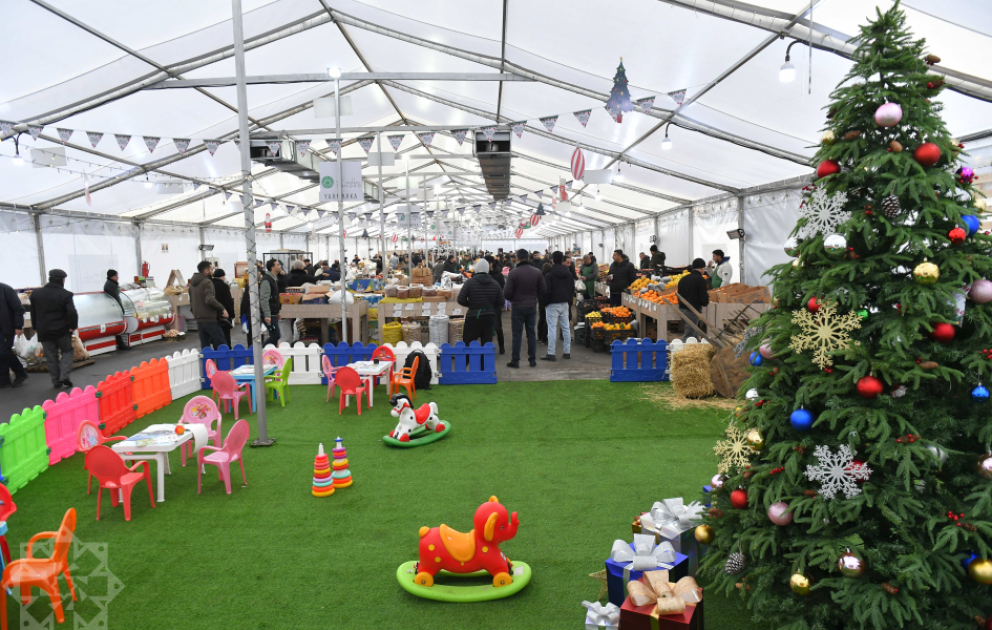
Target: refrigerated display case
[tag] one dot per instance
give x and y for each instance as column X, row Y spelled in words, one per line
column 100, row 321
column 147, row 312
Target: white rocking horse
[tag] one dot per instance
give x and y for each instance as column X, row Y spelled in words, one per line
column 411, row 419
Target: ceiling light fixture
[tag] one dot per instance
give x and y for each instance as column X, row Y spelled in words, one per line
column 334, row 73
column 599, row 196
column 787, row 73
column 18, row 160
column 619, row 176
column 666, row 144
column 148, row 183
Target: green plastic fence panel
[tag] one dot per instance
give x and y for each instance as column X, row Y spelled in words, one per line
column 23, row 451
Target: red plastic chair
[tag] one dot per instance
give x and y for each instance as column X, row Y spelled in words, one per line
column 404, row 379
column 42, row 572
column 351, row 385
column 7, row 507
column 223, row 457
column 228, row 391
column 87, row 436
column 200, row 410
column 385, row 353
column 329, row 372
column 114, row 475
column 211, row 368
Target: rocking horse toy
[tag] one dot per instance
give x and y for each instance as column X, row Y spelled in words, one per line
column 416, row 427
column 446, row 552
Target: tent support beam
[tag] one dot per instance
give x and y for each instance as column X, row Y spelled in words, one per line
column 345, row 76
column 40, row 240
column 137, row 246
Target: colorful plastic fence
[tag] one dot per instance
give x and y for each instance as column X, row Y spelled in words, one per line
column 467, row 365
column 63, row 417
column 116, row 403
column 343, row 354
column 150, row 386
column 226, row 359
column 23, row 451
column 639, row 360
column 306, row 362
column 184, row 373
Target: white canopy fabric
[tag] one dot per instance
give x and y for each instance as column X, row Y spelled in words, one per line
column 85, row 67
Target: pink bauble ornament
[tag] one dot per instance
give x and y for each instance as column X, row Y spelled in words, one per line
column 888, row 115
column 717, row 481
column 766, row 351
column 981, row 292
column 780, row 513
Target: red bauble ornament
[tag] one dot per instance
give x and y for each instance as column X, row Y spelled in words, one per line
column 855, row 465
column 957, row 236
column 927, row 154
column 869, row 387
column 942, row 332
column 738, row 499
column 829, row 167
column 813, row 305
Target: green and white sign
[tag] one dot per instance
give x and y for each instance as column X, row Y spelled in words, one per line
column 330, row 187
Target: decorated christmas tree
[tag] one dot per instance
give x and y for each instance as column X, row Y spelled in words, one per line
column 619, row 101
column 856, row 486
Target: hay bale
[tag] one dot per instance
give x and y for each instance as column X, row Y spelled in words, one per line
column 691, row 370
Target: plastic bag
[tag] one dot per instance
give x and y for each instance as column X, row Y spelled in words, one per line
column 335, row 298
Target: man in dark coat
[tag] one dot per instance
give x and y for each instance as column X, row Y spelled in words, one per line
column 693, row 288
column 112, row 287
column 496, row 273
column 11, row 325
column 483, row 297
column 54, row 316
column 657, row 259
column 561, row 290
column 451, row 264
column 523, row 287
column 206, row 309
column 222, row 291
column 298, row 275
column 622, row 275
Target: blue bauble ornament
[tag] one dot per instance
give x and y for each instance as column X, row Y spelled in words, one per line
column 980, row 393
column 801, row 420
column 756, row 359
column 972, row 223
column 969, row 556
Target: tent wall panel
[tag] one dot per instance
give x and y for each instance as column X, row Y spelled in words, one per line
column 19, row 244
column 166, row 248
column 85, row 250
column 673, row 238
column 768, row 221
column 709, row 232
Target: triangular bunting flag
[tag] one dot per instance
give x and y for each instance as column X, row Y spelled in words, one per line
column 492, row 205
column 426, row 137
column 395, row 141
column 302, row 146
column 459, row 135
column 181, row 144
column 613, row 114
column 678, row 96
column 237, row 143
column 35, row 131
column 365, row 143
column 227, row 195
column 6, row 127
column 645, row 104
column 122, row 140
column 549, row 123
column 368, row 217
column 489, row 132
column 94, row 137
column 334, row 145
column 583, row 116
column 477, row 207
column 553, row 190
column 461, row 211
column 274, row 147
column 151, row 142
column 518, row 128
column 64, row 134
column 212, row 145
column 569, row 183
column 523, row 199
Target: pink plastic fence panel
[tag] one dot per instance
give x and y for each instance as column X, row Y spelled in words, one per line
column 63, row 417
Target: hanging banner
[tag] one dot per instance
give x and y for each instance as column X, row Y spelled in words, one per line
column 366, row 143
column 578, row 164
column 645, row 104
column 94, row 137
column 274, row 147
column 489, row 132
column 302, row 146
column 395, row 141
column 6, row 127
column 583, row 116
column 407, row 219
column 35, row 131
column 540, row 210
column 212, row 145
column 330, row 188
column 64, row 134
column 334, row 145
column 549, row 123
column 151, row 142
column 678, row 96
column 518, row 128
column 562, row 193
column 181, row 144
column 613, row 114
column 426, row 137
column 459, row 135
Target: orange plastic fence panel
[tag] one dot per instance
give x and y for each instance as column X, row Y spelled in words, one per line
column 150, row 384
column 116, row 403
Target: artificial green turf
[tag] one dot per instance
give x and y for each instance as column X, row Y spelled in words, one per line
column 577, row 459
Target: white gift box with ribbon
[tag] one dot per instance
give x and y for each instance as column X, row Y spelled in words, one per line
column 602, row 616
column 671, row 518
column 645, row 556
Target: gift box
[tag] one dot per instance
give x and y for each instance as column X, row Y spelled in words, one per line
column 600, row 617
column 673, row 521
column 619, row 572
column 646, row 618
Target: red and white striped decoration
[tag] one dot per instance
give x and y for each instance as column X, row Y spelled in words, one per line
column 535, row 219
column 519, row 232
column 578, row 164
column 395, row 238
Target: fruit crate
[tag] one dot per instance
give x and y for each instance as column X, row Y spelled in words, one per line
column 609, row 336
column 616, row 319
column 584, row 307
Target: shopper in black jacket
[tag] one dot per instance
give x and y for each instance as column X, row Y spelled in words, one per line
column 222, row 291
column 523, row 286
column 483, row 298
column 54, row 316
column 112, row 288
column 496, row 273
column 694, row 289
column 561, row 291
column 622, row 275
column 11, row 325
column 298, row 275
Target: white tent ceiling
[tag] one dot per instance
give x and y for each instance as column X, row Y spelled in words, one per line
column 83, row 66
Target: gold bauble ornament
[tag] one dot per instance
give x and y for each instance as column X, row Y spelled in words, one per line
column 926, row 273
column 705, row 534
column 800, row 584
column 851, row 565
column 754, row 439
column 828, row 138
column 980, row 570
column 980, row 203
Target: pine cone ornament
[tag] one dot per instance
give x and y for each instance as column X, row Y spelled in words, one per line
column 735, row 563
column 891, row 207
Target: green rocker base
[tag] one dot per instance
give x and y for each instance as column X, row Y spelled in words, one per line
column 463, row 594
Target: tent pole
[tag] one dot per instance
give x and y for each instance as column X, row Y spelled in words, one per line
column 344, row 259
column 740, row 241
column 41, row 248
column 382, row 217
column 263, row 438
column 137, row 245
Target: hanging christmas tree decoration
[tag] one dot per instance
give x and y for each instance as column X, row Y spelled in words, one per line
column 822, row 213
column 766, row 351
column 836, row 472
column 852, row 135
column 981, row 291
column 752, row 394
column 738, row 499
column 619, row 101
column 705, row 534
column 835, row 245
column 942, row 332
column 957, row 236
column 823, row 331
column 813, row 304
column 965, row 175
column 735, row 563
column 851, row 565
column 780, row 513
column 863, row 313
column 792, row 246
column 979, row 202
column 926, row 273
column 927, row 154
column 984, row 466
column 939, row 453
column 801, row 420
column 895, row 147
column 756, row 359
column 980, row 570
column 971, row 223
column 827, row 167
column 733, row 452
column 754, row 439
column 828, row 138
column 717, row 481
column 890, row 207
column 888, row 115
column 980, row 393
column 869, row 387
column 800, row 584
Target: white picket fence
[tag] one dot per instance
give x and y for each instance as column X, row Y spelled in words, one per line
column 306, row 362
column 675, row 346
column 184, row 373
column 402, row 350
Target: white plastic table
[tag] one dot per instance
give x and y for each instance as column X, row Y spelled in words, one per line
column 246, row 374
column 158, row 451
column 369, row 371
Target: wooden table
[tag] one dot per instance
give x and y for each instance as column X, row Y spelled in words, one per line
column 358, row 316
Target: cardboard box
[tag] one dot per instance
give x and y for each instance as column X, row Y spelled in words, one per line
column 290, row 298
column 616, row 586
column 435, row 298
column 642, row 618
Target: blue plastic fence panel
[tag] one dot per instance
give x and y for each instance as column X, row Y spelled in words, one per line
column 467, row 365
column 225, row 358
column 343, row 354
column 639, row 360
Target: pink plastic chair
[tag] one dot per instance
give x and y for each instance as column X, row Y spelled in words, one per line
column 273, row 357
column 114, row 475
column 385, row 353
column 87, row 436
column 351, row 385
column 201, row 410
column 223, row 457
column 329, row 371
column 228, row 390
column 211, row 368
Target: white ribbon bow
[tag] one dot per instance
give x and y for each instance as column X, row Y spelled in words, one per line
column 645, row 556
column 671, row 517
column 600, row 616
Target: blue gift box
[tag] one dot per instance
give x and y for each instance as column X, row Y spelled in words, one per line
column 614, row 576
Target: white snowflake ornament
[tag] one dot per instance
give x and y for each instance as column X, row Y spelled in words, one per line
column 837, row 472
column 823, row 213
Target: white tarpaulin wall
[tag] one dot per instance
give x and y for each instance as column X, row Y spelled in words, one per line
column 710, row 224
column 768, row 220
